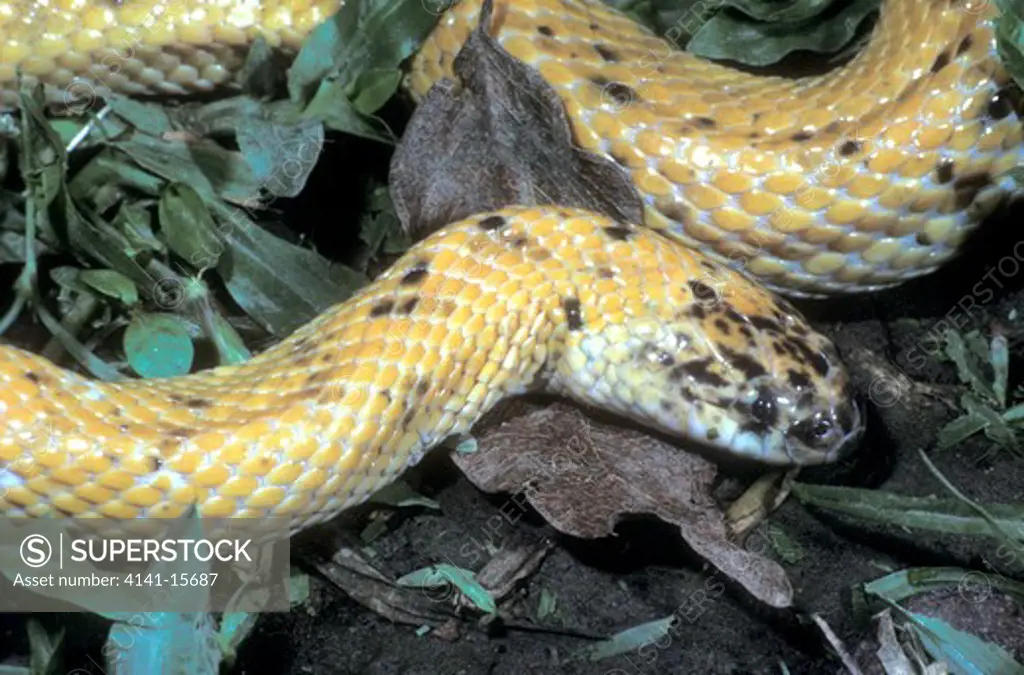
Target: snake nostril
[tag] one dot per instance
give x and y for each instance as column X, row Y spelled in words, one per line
column 814, row 431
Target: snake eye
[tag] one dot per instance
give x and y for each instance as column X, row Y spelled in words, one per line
column 764, row 409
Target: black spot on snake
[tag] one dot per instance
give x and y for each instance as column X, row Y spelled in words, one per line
column 382, row 308
column 518, row 242
column 849, row 148
column 802, row 136
column 723, row 326
column 408, row 417
column 422, row 387
column 538, row 254
column 317, row 377
column 941, row 61
column 706, row 123
column 572, row 313
column 798, row 380
column 1000, row 105
column 545, row 30
column 415, row 275
column 765, row 324
column 967, row 187
column 594, row 26
column 409, row 305
column 944, row 171
column 698, row 312
column 32, row 377
column 965, row 44
column 712, row 434
column 198, row 403
column 700, row 371
column 744, row 363
column 605, row 273
column 679, row 214
column 491, row 223
column 923, row 239
column 606, row 53
column 618, row 232
column 180, row 432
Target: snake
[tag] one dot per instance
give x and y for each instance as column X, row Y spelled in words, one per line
column 754, row 187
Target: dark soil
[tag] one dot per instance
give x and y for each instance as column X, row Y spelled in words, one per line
column 646, row 572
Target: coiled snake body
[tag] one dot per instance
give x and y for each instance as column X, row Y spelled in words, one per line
column 848, row 182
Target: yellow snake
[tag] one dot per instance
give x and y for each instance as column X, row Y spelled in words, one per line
column 848, row 182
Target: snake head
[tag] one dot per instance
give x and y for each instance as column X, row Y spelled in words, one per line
column 743, row 375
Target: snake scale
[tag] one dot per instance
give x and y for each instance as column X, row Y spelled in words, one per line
column 841, row 183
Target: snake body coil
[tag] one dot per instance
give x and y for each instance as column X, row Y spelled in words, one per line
column 870, row 175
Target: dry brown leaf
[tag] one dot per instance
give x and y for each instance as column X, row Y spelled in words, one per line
column 499, row 137
column 583, row 477
column 509, row 566
column 361, row 581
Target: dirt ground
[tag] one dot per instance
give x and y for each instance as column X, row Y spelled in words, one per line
column 646, row 572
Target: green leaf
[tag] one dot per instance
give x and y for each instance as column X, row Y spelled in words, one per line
column 734, row 36
column 332, row 106
column 959, row 430
column 1000, row 359
column 280, row 285
column 965, row 654
column 12, row 247
column 400, row 495
column 547, row 604
column 45, row 649
column 111, row 283
column 379, row 224
column 281, row 156
column 261, row 74
column 188, row 226
column 927, row 513
column 146, row 117
column 133, row 219
column 443, row 574
column 363, row 35
column 158, row 345
column 230, row 347
column 209, row 169
column 1009, row 31
column 374, row 88
column 899, row 586
column 629, row 640
column 969, row 356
